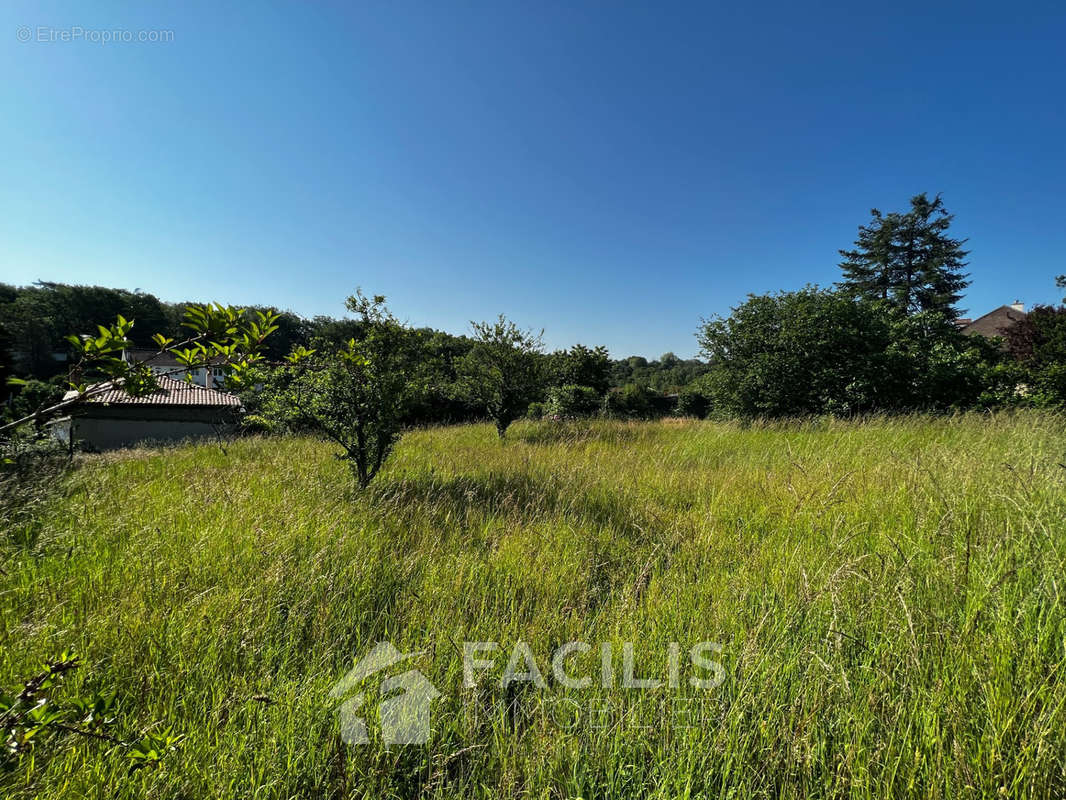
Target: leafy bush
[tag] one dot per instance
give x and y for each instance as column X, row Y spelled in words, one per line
column 816, row 351
column 580, row 366
column 632, row 401
column 693, row 401
column 571, row 402
column 1038, row 343
column 32, row 395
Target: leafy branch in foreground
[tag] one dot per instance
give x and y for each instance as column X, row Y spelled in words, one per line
column 34, row 719
column 219, row 336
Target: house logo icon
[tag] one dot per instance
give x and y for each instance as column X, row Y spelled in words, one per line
column 404, row 702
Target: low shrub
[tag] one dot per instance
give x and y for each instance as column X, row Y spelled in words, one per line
column 693, row 402
column 572, row 402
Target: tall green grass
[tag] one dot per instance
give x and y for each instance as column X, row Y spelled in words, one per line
column 887, row 594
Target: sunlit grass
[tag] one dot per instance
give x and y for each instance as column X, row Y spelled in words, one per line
column 887, row 594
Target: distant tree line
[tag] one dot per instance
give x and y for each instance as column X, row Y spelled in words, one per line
column 36, row 320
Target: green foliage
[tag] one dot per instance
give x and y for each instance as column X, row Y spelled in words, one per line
column 632, row 401
column 694, row 401
column 572, row 402
column 667, row 375
column 536, row 410
column 580, row 366
column 152, row 748
column 29, row 395
column 1038, row 344
column 233, row 337
column 31, row 719
column 38, row 318
column 908, row 261
column 100, row 353
column 290, row 332
column 441, row 394
column 356, row 396
column 792, row 353
column 503, row 370
column 40, row 720
column 931, row 366
column 816, row 351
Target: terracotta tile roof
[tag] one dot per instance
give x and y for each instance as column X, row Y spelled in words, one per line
column 170, row 393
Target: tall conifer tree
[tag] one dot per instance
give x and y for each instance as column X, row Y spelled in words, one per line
column 908, row 260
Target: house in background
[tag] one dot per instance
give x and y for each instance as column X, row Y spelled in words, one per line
column 165, row 365
column 995, row 322
column 109, row 418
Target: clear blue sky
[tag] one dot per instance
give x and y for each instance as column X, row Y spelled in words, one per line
column 609, row 171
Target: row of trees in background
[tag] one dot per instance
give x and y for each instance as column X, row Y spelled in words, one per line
column 35, row 322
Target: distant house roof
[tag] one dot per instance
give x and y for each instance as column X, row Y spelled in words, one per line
column 154, row 357
column 994, row 322
column 170, row 393
column 160, row 360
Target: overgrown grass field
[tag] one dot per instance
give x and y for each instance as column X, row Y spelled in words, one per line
column 887, row 595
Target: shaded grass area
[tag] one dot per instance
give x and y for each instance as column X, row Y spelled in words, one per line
column 886, row 594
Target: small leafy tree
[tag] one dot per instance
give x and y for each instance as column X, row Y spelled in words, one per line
column 503, row 369
column 791, row 353
column 357, row 395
